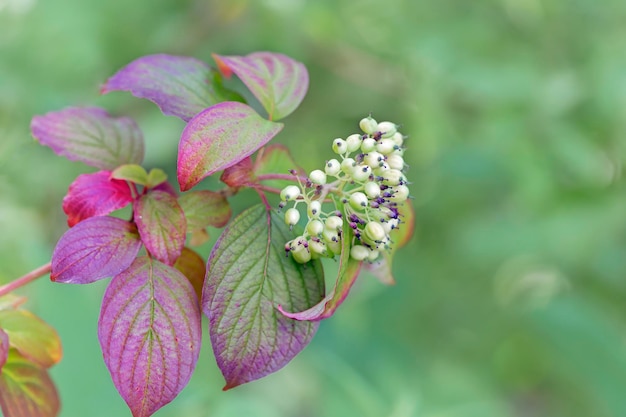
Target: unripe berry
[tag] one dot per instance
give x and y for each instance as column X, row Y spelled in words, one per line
column 385, row 146
column 374, row 159
column 393, row 177
column 395, row 161
column 359, row 252
column 292, row 216
column 374, row 231
column 317, row 248
column 368, row 125
column 339, row 146
column 382, row 169
column 361, row 173
column 353, row 142
column 373, row 255
column 358, row 201
column 330, row 236
column 332, row 167
column 315, row 227
column 368, row 145
column 317, row 177
column 290, row 193
column 301, row 255
column 388, row 129
column 390, row 225
column 333, row 223
column 398, row 138
column 314, row 209
column 347, row 166
column 400, row 194
column 372, row 190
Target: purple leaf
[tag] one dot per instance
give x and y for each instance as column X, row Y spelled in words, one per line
column 95, row 248
column 4, row 348
column 277, row 81
column 248, row 275
column 150, row 333
column 95, row 195
column 162, row 226
column 219, row 137
column 90, row 135
column 347, row 274
column 180, row 86
column 239, row 175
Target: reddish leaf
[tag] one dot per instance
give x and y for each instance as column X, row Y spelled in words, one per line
column 32, row 337
column 95, row 248
column 95, row 195
column 91, row 136
column 248, row 274
column 194, row 268
column 239, row 175
column 205, row 208
column 4, row 348
column 348, row 272
column 150, row 334
column 277, row 81
column 180, row 86
column 26, row 389
column 162, row 226
column 218, row 138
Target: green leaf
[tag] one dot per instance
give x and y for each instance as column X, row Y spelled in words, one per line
column 156, row 177
column 26, row 389
column 11, row 301
column 131, row 172
column 204, row 208
column 275, row 159
column 32, row 337
column 346, row 276
column 381, row 268
column 248, row 276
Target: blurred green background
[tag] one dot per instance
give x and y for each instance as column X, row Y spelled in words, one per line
column 510, row 298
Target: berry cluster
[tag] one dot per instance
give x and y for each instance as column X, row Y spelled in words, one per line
column 368, row 179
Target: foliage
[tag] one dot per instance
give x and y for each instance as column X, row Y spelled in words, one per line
column 150, row 321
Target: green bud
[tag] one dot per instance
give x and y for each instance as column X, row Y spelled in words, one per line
column 359, row 252
column 290, row 193
column 385, row 146
column 333, row 223
column 374, row 159
column 314, row 209
column 317, row 177
column 301, row 255
column 390, row 225
column 393, row 177
column 347, row 166
column 317, row 248
column 361, row 173
column 315, row 227
column 358, row 201
column 374, row 231
column 388, row 129
column 353, row 142
column 400, row 193
column 332, row 167
column 382, row 169
column 368, row 145
column 395, row 161
column 334, row 248
column 292, row 216
column 372, row 189
column 330, row 236
column 368, row 125
column 373, row 255
column 398, row 138
column 339, row 146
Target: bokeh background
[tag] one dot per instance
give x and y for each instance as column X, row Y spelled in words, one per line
column 510, row 299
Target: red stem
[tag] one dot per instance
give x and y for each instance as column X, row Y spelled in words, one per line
column 23, row 280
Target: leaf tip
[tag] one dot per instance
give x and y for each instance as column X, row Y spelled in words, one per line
column 222, row 66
